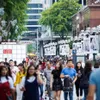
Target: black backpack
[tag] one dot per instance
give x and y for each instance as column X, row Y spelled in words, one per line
column 67, row 84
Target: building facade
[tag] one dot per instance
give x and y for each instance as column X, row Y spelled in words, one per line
column 88, row 16
column 35, row 7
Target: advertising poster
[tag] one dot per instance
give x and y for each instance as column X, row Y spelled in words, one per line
column 64, row 49
column 93, row 44
column 86, row 45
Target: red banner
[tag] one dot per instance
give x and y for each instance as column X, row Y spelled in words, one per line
column 7, row 51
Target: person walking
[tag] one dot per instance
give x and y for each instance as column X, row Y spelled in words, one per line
column 79, row 90
column 6, row 84
column 19, row 77
column 30, row 84
column 70, row 73
column 42, row 86
column 56, row 83
column 47, row 73
column 94, row 84
column 84, row 83
column 14, row 69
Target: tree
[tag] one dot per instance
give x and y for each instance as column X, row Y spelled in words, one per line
column 58, row 16
column 30, row 48
column 13, row 19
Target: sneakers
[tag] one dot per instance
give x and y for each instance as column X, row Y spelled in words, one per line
column 81, row 98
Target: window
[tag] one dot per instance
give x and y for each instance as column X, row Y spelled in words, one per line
column 32, row 23
column 35, row 6
column 34, row 16
column 84, row 1
column 33, row 11
column 32, row 28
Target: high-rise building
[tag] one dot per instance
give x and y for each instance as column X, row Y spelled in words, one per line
column 35, row 7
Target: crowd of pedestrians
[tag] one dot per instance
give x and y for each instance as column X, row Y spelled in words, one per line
column 46, row 79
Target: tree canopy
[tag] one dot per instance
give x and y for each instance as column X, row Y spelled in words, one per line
column 13, row 19
column 58, row 16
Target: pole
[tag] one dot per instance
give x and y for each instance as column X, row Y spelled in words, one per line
column 37, row 41
column 74, row 52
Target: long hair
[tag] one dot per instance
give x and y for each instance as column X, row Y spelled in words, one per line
column 76, row 67
column 60, row 68
column 88, row 67
column 22, row 67
column 27, row 74
column 1, row 68
column 9, row 70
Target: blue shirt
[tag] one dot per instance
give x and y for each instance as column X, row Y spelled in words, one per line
column 69, row 71
column 95, row 80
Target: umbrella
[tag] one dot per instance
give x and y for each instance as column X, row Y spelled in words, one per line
column 31, row 54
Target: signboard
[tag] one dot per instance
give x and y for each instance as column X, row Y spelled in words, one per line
column 50, row 50
column 79, row 46
column 64, row 49
column 16, row 52
column 94, row 48
column 89, row 45
column 7, row 51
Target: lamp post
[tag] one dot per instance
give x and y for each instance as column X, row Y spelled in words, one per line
column 37, row 42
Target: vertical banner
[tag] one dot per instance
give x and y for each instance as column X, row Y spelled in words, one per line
column 64, row 49
column 86, row 45
column 79, row 48
column 94, row 44
column 50, row 50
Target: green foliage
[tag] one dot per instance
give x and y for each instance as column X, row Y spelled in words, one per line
column 71, row 44
column 30, row 48
column 58, row 16
column 14, row 10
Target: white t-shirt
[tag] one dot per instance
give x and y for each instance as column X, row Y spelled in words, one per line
column 14, row 71
column 3, row 80
column 31, row 79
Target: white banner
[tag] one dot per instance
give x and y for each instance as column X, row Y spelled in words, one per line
column 94, row 47
column 50, row 50
column 86, row 45
column 79, row 46
column 64, row 49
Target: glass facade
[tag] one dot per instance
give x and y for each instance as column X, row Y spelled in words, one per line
column 32, row 23
column 34, row 16
column 35, row 6
column 33, row 11
column 32, row 28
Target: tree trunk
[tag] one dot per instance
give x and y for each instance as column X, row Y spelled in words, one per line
column 62, row 35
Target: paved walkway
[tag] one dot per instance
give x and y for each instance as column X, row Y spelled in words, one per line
column 74, row 96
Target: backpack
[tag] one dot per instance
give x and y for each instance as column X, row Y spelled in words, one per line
column 67, row 84
column 84, row 82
